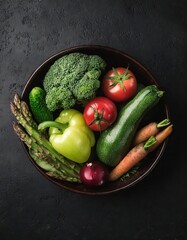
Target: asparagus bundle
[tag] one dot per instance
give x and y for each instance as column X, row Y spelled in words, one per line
column 40, row 148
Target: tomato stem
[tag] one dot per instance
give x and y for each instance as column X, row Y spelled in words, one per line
column 117, row 78
column 98, row 117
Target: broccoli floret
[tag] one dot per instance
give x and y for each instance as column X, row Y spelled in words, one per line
column 96, row 62
column 72, row 78
column 85, row 89
column 54, row 100
column 63, row 67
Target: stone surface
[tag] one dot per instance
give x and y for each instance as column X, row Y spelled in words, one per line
column 155, row 33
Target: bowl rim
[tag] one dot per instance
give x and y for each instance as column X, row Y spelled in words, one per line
column 138, row 63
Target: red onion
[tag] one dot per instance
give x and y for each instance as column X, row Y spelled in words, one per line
column 94, row 174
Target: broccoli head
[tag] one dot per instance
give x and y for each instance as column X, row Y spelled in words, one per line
column 72, row 79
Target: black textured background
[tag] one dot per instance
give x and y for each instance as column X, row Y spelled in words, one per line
column 155, row 33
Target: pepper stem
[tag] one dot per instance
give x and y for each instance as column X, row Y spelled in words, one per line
column 47, row 124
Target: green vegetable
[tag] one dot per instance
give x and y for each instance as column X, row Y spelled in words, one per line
column 43, row 158
column 74, row 78
column 115, row 141
column 24, row 110
column 38, row 105
column 39, row 147
column 70, row 136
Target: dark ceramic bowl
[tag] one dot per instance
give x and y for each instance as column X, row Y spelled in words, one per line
column 113, row 58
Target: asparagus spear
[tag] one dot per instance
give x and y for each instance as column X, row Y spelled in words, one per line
column 57, row 176
column 51, row 171
column 21, row 111
column 27, row 114
column 17, row 101
column 23, row 107
column 58, row 171
column 40, row 151
column 41, row 140
column 43, row 153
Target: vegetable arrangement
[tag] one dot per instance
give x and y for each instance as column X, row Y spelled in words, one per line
column 120, row 135
column 97, row 114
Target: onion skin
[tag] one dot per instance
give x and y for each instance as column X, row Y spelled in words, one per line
column 94, row 174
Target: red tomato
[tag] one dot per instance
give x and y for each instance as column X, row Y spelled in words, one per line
column 100, row 113
column 119, row 84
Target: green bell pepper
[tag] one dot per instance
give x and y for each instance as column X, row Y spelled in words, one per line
column 70, row 136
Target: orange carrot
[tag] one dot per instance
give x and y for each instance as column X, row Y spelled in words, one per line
column 149, row 130
column 137, row 153
column 160, row 137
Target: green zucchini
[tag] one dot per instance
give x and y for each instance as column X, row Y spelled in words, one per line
column 38, row 105
column 114, row 142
